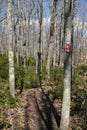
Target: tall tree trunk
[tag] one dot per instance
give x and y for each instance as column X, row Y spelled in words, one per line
column 25, row 33
column 51, row 37
column 10, row 52
column 60, row 61
column 55, row 45
column 39, row 40
column 64, row 124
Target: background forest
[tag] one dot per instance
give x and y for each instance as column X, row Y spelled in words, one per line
column 36, row 67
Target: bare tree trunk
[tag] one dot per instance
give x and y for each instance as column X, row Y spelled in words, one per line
column 25, row 33
column 11, row 52
column 60, row 61
column 40, row 40
column 55, row 45
column 51, row 37
column 64, row 125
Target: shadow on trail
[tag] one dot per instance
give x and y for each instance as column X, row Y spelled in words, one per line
column 45, row 115
column 47, row 112
column 40, row 114
column 26, row 118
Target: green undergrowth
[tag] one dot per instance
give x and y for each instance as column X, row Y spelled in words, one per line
column 27, row 78
column 4, row 125
column 78, row 93
column 6, row 102
column 4, row 67
column 56, row 77
column 79, row 89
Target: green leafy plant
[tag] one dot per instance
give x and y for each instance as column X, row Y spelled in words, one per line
column 4, row 67
column 56, row 77
column 19, row 77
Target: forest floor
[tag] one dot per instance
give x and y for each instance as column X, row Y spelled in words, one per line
column 40, row 109
column 38, row 112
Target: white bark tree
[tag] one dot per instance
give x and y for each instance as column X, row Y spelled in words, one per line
column 50, row 46
column 64, row 124
column 10, row 51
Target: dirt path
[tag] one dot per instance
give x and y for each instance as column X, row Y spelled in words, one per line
column 38, row 112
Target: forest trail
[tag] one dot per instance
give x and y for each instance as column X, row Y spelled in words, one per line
column 39, row 112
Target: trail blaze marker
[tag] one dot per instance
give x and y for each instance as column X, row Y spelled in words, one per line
column 67, row 47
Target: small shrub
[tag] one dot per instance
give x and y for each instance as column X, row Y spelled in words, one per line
column 56, row 93
column 4, row 125
column 19, row 77
column 56, row 76
column 12, row 101
column 6, row 101
column 76, row 128
column 82, row 69
column 31, row 62
column 34, row 84
column 4, row 67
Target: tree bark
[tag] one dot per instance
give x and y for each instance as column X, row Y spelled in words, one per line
column 64, row 124
column 51, row 37
column 40, row 41
column 10, row 52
